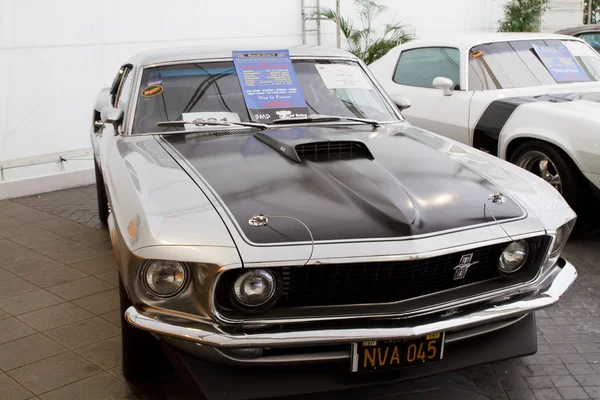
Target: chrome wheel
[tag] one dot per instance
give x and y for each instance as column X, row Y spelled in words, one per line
column 541, row 165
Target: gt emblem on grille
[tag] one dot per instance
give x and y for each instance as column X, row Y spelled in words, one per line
column 460, row 271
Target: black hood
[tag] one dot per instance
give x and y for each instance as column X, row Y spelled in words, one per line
column 343, row 182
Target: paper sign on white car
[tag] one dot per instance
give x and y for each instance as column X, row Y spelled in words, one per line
column 340, row 76
column 210, row 116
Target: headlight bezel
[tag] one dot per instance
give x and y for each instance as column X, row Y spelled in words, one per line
column 226, row 301
column 260, row 272
column 268, row 303
column 151, row 292
column 538, row 250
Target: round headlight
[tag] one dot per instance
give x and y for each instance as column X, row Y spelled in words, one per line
column 165, row 278
column 254, row 288
column 513, row 257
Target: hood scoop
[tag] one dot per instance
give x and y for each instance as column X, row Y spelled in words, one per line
column 335, row 150
column 316, row 149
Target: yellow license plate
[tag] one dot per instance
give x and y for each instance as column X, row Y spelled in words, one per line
column 378, row 355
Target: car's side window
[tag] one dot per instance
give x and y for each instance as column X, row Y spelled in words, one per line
column 479, row 77
column 419, row 67
column 514, row 64
column 592, row 38
column 505, row 65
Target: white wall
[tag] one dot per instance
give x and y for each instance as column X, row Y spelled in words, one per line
column 562, row 14
column 430, row 17
column 55, row 55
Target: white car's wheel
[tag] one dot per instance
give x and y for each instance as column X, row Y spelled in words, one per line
column 542, row 165
column 556, row 168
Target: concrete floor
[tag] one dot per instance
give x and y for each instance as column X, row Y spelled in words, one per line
column 59, row 320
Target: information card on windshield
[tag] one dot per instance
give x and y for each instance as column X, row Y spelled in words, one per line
column 269, row 84
column 561, row 64
column 341, row 76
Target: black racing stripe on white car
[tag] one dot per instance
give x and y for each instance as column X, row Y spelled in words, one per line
column 492, row 121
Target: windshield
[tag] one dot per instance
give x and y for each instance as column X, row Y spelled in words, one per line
column 526, row 63
column 212, row 91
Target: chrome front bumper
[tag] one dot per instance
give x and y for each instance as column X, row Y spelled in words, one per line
column 548, row 292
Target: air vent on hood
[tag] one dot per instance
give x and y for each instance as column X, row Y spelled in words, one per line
column 313, row 148
column 339, row 150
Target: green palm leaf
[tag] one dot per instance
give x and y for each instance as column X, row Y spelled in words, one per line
column 371, row 40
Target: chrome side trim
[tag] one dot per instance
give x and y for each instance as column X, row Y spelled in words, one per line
column 552, row 289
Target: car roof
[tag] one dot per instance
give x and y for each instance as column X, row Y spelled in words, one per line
column 467, row 40
column 188, row 53
column 579, row 29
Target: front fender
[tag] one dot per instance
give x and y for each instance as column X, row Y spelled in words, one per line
column 563, row 125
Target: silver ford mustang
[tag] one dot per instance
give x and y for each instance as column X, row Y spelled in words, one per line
column 333, row 241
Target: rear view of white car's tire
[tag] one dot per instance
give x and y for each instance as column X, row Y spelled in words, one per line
column 143, row 358
column 555, row 167
column 101, row 195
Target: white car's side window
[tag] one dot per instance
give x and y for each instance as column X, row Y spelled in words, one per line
column 515, row 64
column 419, row 67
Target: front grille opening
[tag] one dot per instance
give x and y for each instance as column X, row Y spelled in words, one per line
column 337, row 150
column 382, row 282
column 387, row 282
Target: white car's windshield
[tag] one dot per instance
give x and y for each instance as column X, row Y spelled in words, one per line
column 525, row 63
column 212, row 91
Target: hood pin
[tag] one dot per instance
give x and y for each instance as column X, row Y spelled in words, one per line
column 497, row 198
column 258, row 220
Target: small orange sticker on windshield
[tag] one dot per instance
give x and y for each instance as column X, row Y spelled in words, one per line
column 153, row 90
column 477, row 54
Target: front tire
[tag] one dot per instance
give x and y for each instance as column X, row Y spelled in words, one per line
column 101, row 196
column 143, row 358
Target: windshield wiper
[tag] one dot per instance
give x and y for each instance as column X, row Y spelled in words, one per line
column 201, row 122
column 325, row 118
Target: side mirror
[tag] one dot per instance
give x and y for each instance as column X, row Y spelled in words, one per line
column 401, row 101
column 445, row 84
column 110, row 115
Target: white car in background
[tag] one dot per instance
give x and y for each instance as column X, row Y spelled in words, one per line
column 530, row 98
